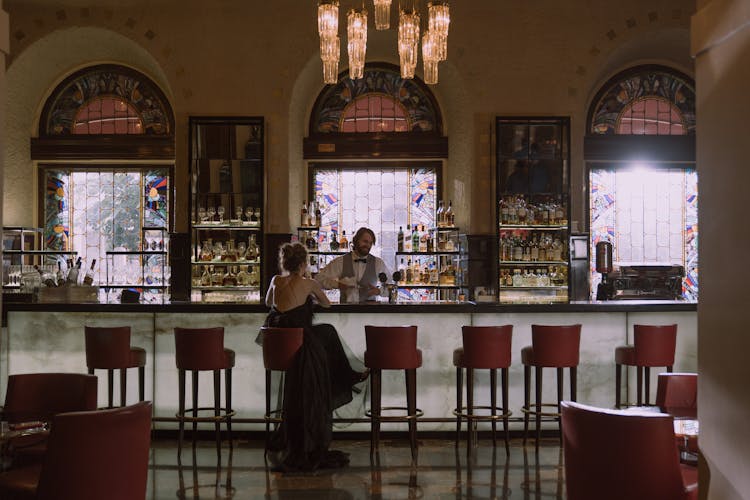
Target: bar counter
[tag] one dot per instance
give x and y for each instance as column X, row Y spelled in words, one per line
column 49, row 337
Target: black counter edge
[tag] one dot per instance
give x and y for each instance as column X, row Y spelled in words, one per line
column 193, row 307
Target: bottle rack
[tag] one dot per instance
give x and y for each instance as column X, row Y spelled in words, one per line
column 145, row 271
column 533, row 157
column 226, row 205
column 438, row 263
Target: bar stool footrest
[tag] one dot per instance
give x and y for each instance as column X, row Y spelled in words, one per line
column 226, row 414
column 461, row 413
column 399, row 418
column 531, row 411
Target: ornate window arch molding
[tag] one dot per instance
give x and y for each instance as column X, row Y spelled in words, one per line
column 423, row 137
column 603, row 143
column 57, row 140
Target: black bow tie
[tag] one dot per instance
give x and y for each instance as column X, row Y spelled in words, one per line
column 364, row 261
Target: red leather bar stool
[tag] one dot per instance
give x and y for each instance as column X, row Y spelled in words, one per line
column 392, row 348
column 485, row 348
column 202, row 349
column 551, row 347
column 652, row 346
column 108, row 348
column 280, row 346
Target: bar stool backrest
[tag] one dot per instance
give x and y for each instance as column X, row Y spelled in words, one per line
column 487, row 346
column 199, row 348
column 391, row 347
column 39, row 396
column 107, row 347
column 654, row 345
column 556, row 346
column 280, row 346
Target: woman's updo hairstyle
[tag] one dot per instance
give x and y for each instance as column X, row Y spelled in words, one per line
column 292, row 256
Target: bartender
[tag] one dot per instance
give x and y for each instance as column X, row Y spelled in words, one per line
column 355, row 273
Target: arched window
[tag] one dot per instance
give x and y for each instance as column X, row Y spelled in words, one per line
column 643, row 190
column 396, row 125
column 120, row 123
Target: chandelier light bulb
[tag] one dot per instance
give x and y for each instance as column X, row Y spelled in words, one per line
column 328, row 18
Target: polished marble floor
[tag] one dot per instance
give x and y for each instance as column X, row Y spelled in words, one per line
column 441, row 471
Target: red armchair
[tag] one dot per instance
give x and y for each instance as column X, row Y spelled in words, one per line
column 622, row 455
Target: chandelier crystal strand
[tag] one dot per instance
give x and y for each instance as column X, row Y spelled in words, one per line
column 328, row 18
column 330, row 48
column 356, row 30
column 382, row 14
column 439, row 20
column 430, row 57
column 330, row 44
column 408, row 41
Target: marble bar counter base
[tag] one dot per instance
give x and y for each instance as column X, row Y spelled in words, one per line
column 49, row 337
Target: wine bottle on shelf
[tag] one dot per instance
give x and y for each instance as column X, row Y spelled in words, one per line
column 334, row 242
column 73, row 273
column 60, row 274
column 449, row 216
column 311, row 219
column 400, row 239
column 343, row 242
column 303, row 214
column 88, row 280
column 318, row 214
column 46, row 277
column 415, row 239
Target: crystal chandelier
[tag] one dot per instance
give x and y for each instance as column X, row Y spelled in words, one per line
column 408, row 41
column 382, row 14
column 356, row 32
column 434, row 39
column 330, row 44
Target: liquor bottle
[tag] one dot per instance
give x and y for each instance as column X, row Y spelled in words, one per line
column 243, row 277
column 311, row 219
column 60, row 274
column 46, row 277
column 409, row 273
column 334, row 242
column 229, row 278
column 88, row 280
column 449, row 215
column 400, row 239
column 73, row 273
column 402, row 271
column 253, row 252
column 254, row 276
column 303, row 214
column 343, row 242
column 415, row 239
column 440, row 215
column 217, row 277
column 318, row 214
column 423, row 240
column 205, row 279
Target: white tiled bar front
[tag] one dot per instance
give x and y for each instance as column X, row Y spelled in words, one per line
column 39, row 341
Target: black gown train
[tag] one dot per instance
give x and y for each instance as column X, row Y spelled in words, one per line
column 319, row 381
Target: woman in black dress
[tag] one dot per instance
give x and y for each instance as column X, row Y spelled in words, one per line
column 321, row 377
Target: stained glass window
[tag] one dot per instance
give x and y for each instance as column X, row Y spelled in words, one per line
column 648, row 212
column 95, row 211
column 383, row 199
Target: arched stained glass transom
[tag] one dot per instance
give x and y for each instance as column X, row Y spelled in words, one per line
column 107, row 115
column 646, row 100
column 95, row 100
column 381, row 93
column 375, row 113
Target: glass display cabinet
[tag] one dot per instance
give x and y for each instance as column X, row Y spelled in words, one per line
column 430, row 267
column 226, row 205
column 533, row 158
